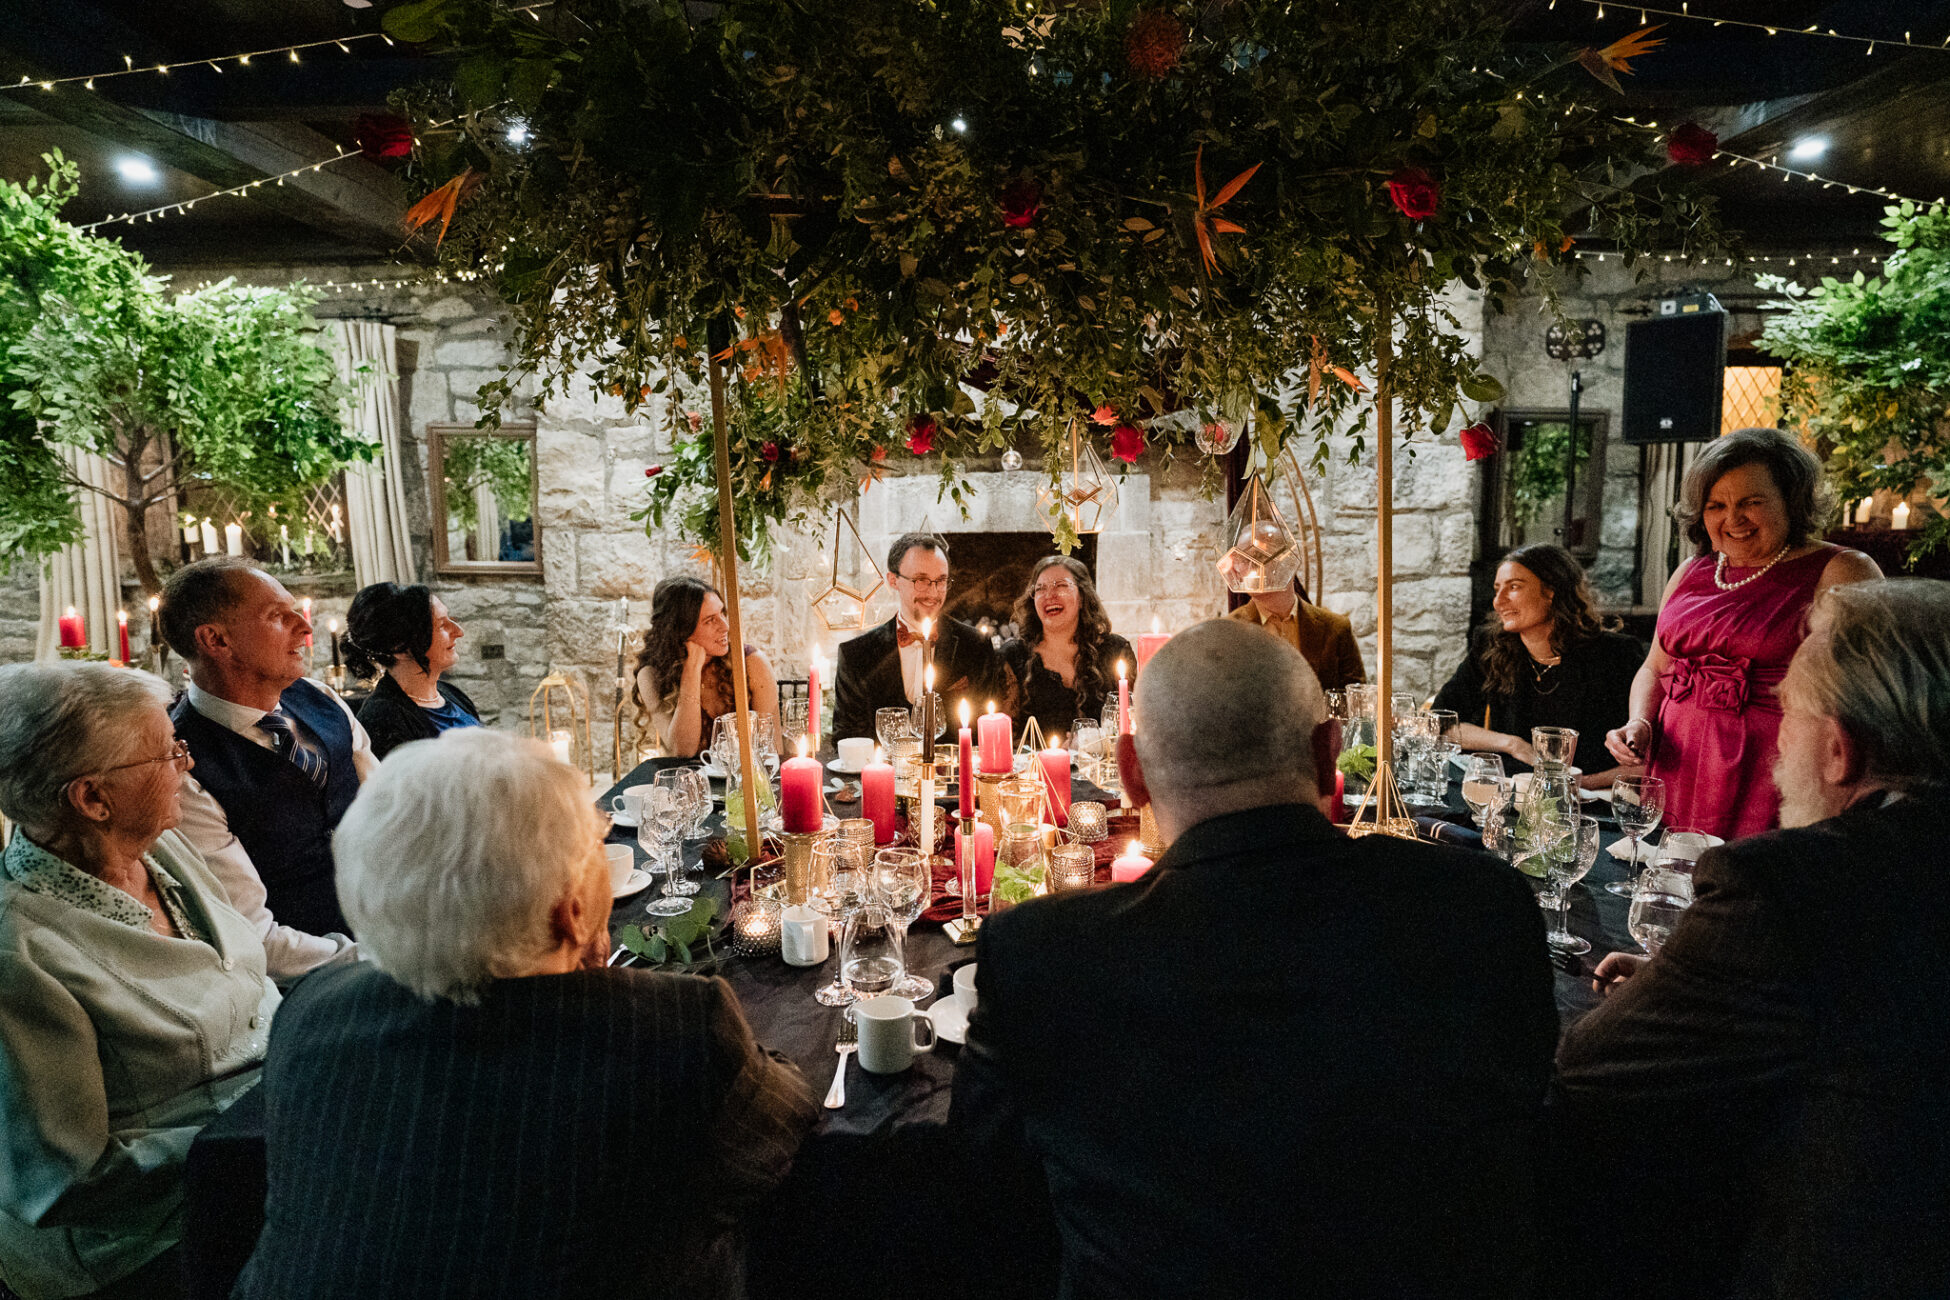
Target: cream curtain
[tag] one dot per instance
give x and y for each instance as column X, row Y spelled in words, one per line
column 1661, row 545
column 87, row 575
column 375, row 493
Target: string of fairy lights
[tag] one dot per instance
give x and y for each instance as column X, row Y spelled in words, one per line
column 1685, row 13
column 163, row 210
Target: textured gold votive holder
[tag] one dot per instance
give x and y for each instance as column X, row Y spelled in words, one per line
column 1072, row 866
column 755, row 926
column 797, row 850
column 1148, row 835
column 1089, row 821
column 988, row 800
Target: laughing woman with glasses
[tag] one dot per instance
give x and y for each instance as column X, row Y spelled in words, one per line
column 1065, row 661
column 134, row 1005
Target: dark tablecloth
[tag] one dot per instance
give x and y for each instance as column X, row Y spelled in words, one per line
column 812, row 1240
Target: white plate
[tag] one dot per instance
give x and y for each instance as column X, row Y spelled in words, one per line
column 950, row 1019
column 638, row 882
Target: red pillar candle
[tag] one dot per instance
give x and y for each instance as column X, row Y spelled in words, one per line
column 122, row 632
column 1123, row 701
column 877, row 797
column 1148, row 644
column 966, row 798
column 997, row 753
column 1056, row 776
column 984, row 849
column 1130, row 866
column 799, row 802
column 73, row 634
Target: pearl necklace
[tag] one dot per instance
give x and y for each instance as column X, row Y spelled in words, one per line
column 1720, row 568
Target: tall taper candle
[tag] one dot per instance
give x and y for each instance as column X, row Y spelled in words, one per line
column 966, row 804
column 1123, row 701
column 122, row 632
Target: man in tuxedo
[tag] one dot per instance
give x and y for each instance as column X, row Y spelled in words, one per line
column 1283, row 1058
column 278, row 756
column 882, row 668
column 1323, row 638
column 1768, row 1099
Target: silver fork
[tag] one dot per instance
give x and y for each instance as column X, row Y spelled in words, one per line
column 846, row 1045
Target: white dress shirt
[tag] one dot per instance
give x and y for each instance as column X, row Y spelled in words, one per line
column 287, row 952
column 910, row 663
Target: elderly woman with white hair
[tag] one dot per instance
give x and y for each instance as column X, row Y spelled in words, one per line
column 134, row 1005
column 482, row 1107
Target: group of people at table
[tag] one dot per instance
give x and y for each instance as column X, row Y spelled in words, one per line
column 1284, row 1058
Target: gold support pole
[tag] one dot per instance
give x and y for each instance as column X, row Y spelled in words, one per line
column 1384, row 482
column 728, row 550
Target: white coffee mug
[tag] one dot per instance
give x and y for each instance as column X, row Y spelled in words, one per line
column 965, row 985
column 803, row 940
column 856, row 752
column 622, row 861
column 891, row 1034
column 630, row 803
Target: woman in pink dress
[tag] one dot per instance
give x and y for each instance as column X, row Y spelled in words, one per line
column 1704, row 717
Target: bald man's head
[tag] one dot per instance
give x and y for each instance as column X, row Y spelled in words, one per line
column 1226, row 720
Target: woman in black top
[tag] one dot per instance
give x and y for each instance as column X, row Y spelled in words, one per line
column 405, row 637
column 1541, row 660
column 1065, row 662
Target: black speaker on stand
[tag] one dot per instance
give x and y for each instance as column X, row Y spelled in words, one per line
column 1675, row 367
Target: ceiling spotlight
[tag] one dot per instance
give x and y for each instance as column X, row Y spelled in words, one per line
column 518, row 133
column 1807, row 150
column 960, row 126
column 137, row 171
column 358, row 4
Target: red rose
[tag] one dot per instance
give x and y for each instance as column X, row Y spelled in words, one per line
column 880, row 453
column 1415, row 192
column 1478, row 441
column 1104, row 415
column 652, row 471
column 383, row 135
column 769, row 450
column 1127, row 443
column 920, row 434
column 1692, row 145
column 1021, row 200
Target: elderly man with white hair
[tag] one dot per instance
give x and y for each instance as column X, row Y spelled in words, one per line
column 1283, row 1058
column 481, row 1108
column 134, row 1004
column 1769, row 1098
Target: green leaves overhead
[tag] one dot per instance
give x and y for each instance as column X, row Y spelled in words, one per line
column 921, row 201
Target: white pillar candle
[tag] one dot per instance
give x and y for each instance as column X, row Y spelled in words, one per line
column 233, row 539
column 210, row 543
column 1862, row 511
column 1899, row 517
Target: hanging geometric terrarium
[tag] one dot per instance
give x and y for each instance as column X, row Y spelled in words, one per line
column 1086, row 493
column 1262, row 554
column 840, row 607
column 1218, row 435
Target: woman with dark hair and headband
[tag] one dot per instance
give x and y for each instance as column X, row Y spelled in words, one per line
column 404, row 636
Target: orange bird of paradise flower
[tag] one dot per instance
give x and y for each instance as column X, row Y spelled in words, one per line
column 1204, row 224
column 442, row 202
column 1617, row 57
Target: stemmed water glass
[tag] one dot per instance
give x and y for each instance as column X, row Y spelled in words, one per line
column 795, row 720
column 697, row 788
column 872, row 955
column 891, row 725
column 1659, row 896
column 1565, row 861
column 901, row 881
column 1637, row 802
column 844, row 875
column 1087, row 743
column 660, row 833
column 671, row 790
column 1483, row 786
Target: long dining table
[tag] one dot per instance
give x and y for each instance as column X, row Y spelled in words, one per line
column 891, row 1136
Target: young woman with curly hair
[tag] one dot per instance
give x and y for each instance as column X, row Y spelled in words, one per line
column 683, row 674
column 1065, row 662
column 1542, row 660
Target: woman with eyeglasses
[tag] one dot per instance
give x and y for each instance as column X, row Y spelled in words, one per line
column 134, row 1004
column 1065, row 662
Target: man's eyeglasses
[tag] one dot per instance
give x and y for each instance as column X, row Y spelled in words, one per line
column 179, row 754
column 924, row 584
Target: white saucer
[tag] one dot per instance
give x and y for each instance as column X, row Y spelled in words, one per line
column 716, row 773
column 842, row 768
column 638, row 882
column 624, row 820
column 950, row 1019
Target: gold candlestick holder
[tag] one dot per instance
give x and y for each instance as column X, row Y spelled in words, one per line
column 796, row 848
column 1148, row 835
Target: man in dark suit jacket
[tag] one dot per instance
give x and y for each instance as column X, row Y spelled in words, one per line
column 1284, row 1060
column 278, row 756
column 881, row 668
column 1764, row 1108
column 481, row 1108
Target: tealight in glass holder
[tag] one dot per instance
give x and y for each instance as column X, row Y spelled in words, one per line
column 1089, row 821
column 755, row 926
column 1072, row 866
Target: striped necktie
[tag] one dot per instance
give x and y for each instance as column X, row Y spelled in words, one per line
column 308, row 761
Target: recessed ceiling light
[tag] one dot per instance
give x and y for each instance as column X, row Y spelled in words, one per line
column 518, row 133
column 358, row 4
column 137, row 171
column 1809, row 149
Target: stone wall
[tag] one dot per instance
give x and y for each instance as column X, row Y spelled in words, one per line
column 20, row 613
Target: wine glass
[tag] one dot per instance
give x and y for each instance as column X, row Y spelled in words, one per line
column 1483, row 785
column 697, row 786
column 1087, row 743
column 1681, row 847
column 1659, row 896
column 872, row 956
column 1565, row 862
column 658, row 831
column 844, row 877
column 902, row 882
column 673, row 796
column 891, row 725
column 1638, row 802
column 795, row 719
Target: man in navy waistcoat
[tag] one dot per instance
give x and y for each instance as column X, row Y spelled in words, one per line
column 278, row 756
